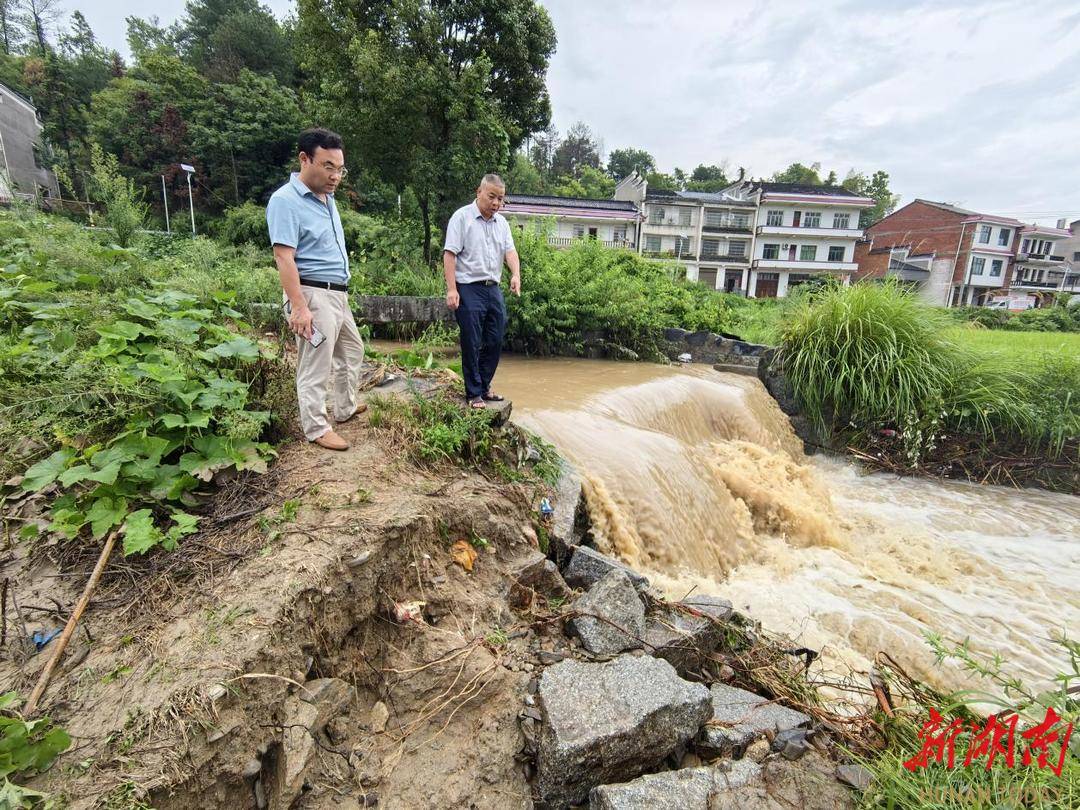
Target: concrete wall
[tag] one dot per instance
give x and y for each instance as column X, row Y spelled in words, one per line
column 921, row 227
column 20, row 130
column 564, row 227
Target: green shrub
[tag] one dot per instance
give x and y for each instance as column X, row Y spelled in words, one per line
column 868, row 356
column 244, row 224
column 587, row 287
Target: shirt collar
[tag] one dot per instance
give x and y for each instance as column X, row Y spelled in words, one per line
column 478, row 214
column 301, row 188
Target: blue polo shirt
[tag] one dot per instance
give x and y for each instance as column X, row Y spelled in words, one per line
column 298, row 219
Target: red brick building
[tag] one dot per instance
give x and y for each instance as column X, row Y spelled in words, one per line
column 955, row 257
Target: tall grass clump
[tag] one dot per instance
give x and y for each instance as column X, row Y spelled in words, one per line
column 870, row 357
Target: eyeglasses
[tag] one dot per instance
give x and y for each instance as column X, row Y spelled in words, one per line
column 334, row 170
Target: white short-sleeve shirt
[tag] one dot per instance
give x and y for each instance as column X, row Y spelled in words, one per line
column 479, row 244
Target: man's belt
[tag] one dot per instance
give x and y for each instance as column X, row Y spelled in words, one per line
column 486, row 283
column 324, row 285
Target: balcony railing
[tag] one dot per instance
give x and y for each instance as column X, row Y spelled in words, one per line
column 1038, row 285
column 723, row 257
column 1039, row 257
column 685, row 255
column 671, row 223
column 566, row 241
column 728, row 225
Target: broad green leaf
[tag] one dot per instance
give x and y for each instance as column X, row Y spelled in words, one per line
column 171, row 483
column 84, row 472
column 117, row 453
column 47, row 470
column 140, row 533
column 192, row 419
column 67, row 521
column 87, row 280
column 142, row 309
column 122, row 330
column 239, row 347
column 105, row 513
column 159, row 372
column 184, row 525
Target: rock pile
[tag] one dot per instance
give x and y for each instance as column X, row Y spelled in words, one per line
column 624, row 720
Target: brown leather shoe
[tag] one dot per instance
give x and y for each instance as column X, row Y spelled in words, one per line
column 331, row 441
column 359, row 409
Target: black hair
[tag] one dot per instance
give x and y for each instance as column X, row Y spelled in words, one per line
column 312, row 139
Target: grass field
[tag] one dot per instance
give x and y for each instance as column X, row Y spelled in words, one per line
column 1019, row 345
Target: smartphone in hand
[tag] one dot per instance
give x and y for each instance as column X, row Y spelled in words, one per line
column 317, row 338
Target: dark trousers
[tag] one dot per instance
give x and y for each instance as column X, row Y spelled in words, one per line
column 482, row 320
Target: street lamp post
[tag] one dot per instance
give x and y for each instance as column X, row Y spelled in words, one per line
column 191, row 204
column 165, row 199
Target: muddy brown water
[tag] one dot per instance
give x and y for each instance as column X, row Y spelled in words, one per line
column 696, row 478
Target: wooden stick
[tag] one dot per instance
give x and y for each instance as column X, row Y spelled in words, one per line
column 76, row 614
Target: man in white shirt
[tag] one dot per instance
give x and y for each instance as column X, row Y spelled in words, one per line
column 478, row 241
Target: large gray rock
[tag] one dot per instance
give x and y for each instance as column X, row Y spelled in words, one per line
column 687, row 789
column 613, row 618
column 304, row 714
column 739, row 717
column 536, row 576
column 783, row 785
column 608, row 721
column 685, row 632
column 588, row 566
column 570, row 520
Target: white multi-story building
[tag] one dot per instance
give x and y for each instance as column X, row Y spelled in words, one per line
column 614, row 223
column 1041, row 267
column 752, row 237
column 801, row 232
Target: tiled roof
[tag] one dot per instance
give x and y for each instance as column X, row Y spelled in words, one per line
column 955, row 209
column 706, row 197
column 803, row 188
column 570, row 202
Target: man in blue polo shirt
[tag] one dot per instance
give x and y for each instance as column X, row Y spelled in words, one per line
column 313, row 264
column 478, row 241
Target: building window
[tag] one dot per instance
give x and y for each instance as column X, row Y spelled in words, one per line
column 1076, row 255
column 812, row 219
column 995, row 267
column 836, row 253
column 656, row 216
column 708, row 278
column 736, row 247
column 710, row 247
column 740, row 220
column 618, row 234
column 977, row 265
column 579, row 231
column 1026, row 246
column 775, row 218
column 808, row 253
column 652, row 244
column 682, row 246
column 841, row 221
column 984, row 234
column 684, row 216
column 1004, row 237
column 770, row 252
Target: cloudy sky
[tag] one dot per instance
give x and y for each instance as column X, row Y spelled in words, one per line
column 975, row 103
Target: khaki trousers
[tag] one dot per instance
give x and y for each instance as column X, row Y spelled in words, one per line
column 342, row 353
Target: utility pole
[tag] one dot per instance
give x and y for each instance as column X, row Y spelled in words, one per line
column 165, row 199
column 191, row 203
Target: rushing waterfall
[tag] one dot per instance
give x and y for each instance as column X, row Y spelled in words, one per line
column 696, row 478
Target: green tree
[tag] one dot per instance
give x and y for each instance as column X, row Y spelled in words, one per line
column 621, row 162
column 591, row 183
column 145, row 37
column 10, row 33
column 708, row 178
column 664, row 182
column 125, row 211
column 523, row 177
column 246, row 134
column 430, row 95
column 577, row 150
column 799, row 173
column 542, row 152
column 877, row 188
